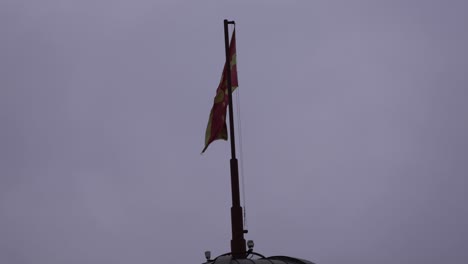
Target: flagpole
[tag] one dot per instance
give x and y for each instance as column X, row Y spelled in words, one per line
column 238, row 247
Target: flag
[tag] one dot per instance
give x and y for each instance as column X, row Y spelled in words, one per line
column 217, row 128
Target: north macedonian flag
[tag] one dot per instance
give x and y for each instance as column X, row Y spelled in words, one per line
column 217, row 128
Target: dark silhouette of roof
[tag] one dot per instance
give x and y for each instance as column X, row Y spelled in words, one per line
column 227, row 259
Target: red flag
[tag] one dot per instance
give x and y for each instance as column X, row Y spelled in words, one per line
column 217, row 128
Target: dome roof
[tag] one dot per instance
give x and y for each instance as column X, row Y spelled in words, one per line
column 227, row 259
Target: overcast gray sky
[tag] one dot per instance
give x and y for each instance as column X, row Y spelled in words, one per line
column 354, row 126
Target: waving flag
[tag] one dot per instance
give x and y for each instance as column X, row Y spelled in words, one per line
column 217, row 128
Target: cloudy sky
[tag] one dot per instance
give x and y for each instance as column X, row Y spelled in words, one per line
column 354, row 128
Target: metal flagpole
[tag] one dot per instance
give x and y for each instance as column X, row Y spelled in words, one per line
column 238, row 247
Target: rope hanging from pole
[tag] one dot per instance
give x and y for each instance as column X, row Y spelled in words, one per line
column 241, row 156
